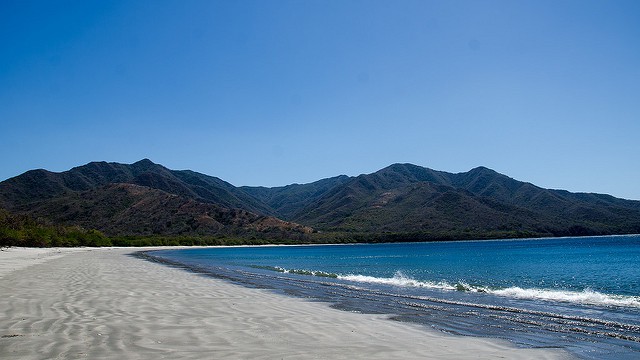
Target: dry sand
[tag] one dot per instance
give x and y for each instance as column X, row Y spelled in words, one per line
column 102, row 304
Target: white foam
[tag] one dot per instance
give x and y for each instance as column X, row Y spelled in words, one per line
column 399, row 279
column 587, row 297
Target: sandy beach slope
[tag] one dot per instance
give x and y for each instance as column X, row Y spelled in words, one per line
column 103, row 304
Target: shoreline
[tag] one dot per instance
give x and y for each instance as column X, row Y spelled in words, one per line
column 104, row 303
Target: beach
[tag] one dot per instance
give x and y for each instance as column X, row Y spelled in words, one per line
column 101, row 303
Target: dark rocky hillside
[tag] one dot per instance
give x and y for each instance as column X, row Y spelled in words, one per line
column 409, row 198
column 38, row 185
column 141, row 199
column 147, row 198
column 288, row 200
column 128, row 209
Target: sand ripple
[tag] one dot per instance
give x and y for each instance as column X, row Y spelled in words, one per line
column 103, row 304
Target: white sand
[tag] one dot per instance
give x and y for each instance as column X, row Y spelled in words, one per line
column 12, row 259
column 102, row 304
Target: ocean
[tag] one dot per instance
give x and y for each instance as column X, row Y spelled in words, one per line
column 581, row 294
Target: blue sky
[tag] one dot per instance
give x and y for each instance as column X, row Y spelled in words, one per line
column 278, row 92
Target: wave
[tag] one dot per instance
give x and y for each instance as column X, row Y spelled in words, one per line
column 586, row 297
column 398, row 279
column 296, row 271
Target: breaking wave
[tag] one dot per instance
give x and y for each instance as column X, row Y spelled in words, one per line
column 296, row 271
column 586, row 297
column 398, row 279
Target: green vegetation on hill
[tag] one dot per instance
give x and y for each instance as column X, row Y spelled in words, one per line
column 39, row 185
column 286, row 201
column 127, row 209
column 22, row 230
column 409, row 199
column 147, row 204
column 25, row 231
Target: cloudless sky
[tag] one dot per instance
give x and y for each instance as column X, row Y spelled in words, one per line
column 278, row 92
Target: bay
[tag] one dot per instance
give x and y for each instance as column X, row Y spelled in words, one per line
column 581, row 294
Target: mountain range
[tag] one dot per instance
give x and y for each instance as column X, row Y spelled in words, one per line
column 397, row 203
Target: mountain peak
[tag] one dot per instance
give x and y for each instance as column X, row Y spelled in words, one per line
column 397, row 166
column 482, row 169
column 144, row 162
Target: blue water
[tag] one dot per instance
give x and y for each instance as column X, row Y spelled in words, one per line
column 581, row 294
